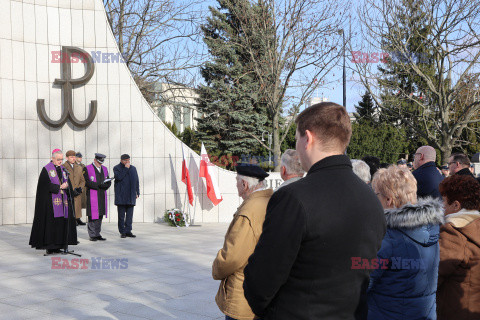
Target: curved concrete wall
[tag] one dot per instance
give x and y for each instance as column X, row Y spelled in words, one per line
column 29, row 32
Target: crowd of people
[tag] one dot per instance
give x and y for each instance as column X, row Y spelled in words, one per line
column 64, row 190
column 352, row 239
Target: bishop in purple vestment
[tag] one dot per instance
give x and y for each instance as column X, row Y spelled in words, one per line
column 53, row 222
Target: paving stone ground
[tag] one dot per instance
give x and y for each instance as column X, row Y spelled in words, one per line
column 167, row 275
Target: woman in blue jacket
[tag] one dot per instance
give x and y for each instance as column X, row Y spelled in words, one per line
column 405, row 286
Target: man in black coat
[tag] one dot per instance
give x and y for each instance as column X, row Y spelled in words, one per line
column 127, row 190
column 459, row 163
column 426, row 173
column 315, row 228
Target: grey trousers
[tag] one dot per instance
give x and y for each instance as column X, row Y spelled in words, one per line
column 94, row 227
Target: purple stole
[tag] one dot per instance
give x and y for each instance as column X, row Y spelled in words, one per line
column 59, row 200
column 94, row 193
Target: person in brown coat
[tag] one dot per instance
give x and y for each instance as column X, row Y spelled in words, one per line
column 240, row 241
column 458, row 295
column 79, row 157
column 78, row 181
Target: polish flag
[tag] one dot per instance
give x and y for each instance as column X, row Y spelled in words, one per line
column 186, row 178
column 206, row 171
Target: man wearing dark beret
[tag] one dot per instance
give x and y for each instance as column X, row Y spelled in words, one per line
column 97, row 203
column 127, row 190
column 240, row 241
column 402, row 163
column 78, row 183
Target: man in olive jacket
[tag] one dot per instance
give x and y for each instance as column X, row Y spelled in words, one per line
column 304, row 265
column 240, row 240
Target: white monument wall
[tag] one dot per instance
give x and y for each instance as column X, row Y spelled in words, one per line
column 125, row 123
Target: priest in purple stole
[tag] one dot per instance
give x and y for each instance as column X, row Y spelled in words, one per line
column 97, row 203
column 53, row 222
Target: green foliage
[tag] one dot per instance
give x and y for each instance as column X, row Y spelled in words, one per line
column 383, row 141
column 190, row 138
column 404, row 93
column 366, row 110
column 173, row 128
column 175, row 218
column 289, row 142
column 231, row 107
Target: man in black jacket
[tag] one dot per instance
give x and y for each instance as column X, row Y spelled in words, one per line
column 459, row 163
column 315, row 229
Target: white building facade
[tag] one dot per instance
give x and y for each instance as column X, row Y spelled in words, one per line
column 176, row 104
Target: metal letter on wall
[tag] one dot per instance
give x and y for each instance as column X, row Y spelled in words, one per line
column 67, row 84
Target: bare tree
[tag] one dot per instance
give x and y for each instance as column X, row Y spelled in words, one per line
column 441, row 76
column 304, row 43
column 158, row 41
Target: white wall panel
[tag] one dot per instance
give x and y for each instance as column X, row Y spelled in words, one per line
column 124, row 122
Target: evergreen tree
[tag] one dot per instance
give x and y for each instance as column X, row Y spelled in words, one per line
column 189, row 137
column 382, row 141
column 366, row 110
column 403, row 90
column 229, row 102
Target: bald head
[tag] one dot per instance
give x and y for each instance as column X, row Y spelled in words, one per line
column 423, row 155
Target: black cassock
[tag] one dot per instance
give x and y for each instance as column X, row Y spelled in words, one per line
column 49, row 232
column 89, row 184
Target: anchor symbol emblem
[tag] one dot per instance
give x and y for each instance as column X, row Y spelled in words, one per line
column 67, row 84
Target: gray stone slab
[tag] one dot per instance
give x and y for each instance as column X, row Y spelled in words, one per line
column 167, row 275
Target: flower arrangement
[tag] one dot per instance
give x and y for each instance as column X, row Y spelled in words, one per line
column 176, row 218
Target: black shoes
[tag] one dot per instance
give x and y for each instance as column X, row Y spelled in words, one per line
column 97, row 238
column 123, row 235
column 130, row 235
column 80, row 222
column 53, row 251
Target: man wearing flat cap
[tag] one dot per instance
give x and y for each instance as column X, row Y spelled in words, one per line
column 97, row 203
column 78, row 183
column 240, row 240
column 127, row 190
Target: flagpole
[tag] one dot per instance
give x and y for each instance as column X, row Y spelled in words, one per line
column 192, row 219
column 186, row 188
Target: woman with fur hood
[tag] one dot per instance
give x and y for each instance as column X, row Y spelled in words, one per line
column 405, row 283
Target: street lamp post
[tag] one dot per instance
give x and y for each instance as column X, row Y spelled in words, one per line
column 344, row 71
column 269, row 146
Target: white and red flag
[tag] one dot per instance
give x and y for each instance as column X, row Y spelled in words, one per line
column 186, row 178
column 206, row 171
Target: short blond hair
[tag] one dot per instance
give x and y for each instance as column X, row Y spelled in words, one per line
column 396, row 183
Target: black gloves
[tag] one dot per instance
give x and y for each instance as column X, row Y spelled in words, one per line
column 77, row 191
column 104, row 185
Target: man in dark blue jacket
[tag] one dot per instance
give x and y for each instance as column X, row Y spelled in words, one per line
column 127, row 190
column 426, row 173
